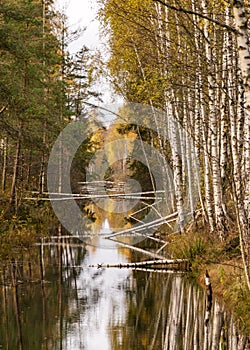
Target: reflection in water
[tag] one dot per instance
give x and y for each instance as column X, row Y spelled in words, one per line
column 78, row 307
column 105, row 227
column 100, row 294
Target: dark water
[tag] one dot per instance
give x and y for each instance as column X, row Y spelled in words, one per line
column 81, row 307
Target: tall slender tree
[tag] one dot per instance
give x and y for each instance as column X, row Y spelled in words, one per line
column 193, row 59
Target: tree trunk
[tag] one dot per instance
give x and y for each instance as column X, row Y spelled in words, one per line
column 177, row 170
column 213, row 123
column 5, row 162
column 242, row 195
column 16, row 169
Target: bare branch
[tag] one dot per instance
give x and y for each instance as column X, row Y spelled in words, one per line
column 184, row 10
column 3, row 109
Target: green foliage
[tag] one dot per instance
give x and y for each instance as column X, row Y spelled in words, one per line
column 19, row 239
column 133, row 62
column 19, row 232
column 41, row 87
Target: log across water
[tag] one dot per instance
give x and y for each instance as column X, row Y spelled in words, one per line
column 171, row 264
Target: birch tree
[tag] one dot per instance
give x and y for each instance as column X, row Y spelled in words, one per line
column 192, row 59
column 241, row 16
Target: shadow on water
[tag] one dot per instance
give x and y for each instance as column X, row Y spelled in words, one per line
column 56, row 301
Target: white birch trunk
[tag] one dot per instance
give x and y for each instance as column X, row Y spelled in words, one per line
column 4, row 146
column 242, row 194
column 213, row 123
column 202, row 131
column 225, row 107
column 240, row 12
column 177, row 169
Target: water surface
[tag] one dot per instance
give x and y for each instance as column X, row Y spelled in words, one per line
column 82, row 307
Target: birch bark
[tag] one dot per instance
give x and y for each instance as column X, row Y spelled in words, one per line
column 241, row 17
column 213, row 123
column 241, row 12
column 5, row 161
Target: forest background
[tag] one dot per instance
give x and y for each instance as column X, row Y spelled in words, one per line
column 190, row 59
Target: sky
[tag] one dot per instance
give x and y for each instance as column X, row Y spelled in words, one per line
column 82, row 13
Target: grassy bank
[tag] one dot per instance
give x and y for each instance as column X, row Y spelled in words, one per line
column 223, row 262
column 20, row 229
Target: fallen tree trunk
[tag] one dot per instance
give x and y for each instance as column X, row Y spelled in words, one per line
column 147, row 225
column 140, row 250
column 173, row 264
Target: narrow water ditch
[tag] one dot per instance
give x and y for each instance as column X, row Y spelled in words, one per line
column 75, row 306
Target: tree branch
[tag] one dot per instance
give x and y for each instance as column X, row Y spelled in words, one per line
column 184, row 10
column 3, row 109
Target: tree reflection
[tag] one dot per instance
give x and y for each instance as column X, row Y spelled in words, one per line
column 32, row 302
column 55, row 301
column 169, row 313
